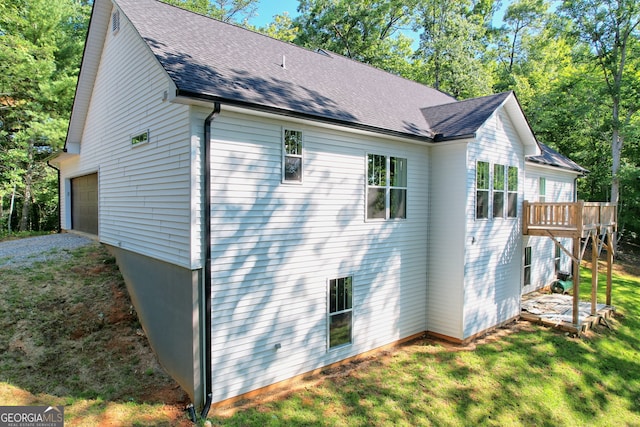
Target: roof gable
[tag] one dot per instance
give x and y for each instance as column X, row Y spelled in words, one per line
column 463, row 118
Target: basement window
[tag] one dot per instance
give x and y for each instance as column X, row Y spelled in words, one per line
column 340, row 317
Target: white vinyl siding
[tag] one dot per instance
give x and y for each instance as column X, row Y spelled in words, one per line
column 274, row 246
column 144, row 191
column 447, row 236
column 493, row 260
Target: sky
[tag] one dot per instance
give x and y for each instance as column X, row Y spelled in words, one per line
column 268, row 8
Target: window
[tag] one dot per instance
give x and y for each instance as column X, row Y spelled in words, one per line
column 498, row 191
column 542, row 189
column 386, row 187
column 482, row 190
column 140, row 138
column 557, row 257
column 340, row 311
column 292, row 156
column 512, row 186
column 527, row 266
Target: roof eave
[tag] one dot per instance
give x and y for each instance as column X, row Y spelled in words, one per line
column 199, row 98
column 580, row 171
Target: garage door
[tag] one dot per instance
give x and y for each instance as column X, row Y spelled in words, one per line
column 84, row 203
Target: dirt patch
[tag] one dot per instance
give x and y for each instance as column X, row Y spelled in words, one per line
column 68, row 330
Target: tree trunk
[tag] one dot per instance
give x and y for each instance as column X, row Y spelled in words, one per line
column 11, row 205
column 28, row 179
column 616, row 154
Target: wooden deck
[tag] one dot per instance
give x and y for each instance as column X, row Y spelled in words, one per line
column 571, row 219
column 556, row 310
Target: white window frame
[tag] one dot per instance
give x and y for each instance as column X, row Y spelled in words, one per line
column 340, row 311
column 542, row 189
column 387, row 186
column 486, row 191
column 526, row 266
column 499, row 213
column 511, row 192
column 140, row 138
column 286, row 156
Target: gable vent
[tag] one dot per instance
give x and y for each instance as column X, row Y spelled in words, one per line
column 115, row 21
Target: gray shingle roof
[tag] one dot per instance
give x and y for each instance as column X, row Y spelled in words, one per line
column 463, row 118
column 210, row 59
column 551, row 157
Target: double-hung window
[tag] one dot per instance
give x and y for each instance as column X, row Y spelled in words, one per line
column 527, row 266
column 340, row 311
column 292, row 160
column 386, row 187
column 512, row 187
column 542, row 189
column 482, row 190
column 498, row 191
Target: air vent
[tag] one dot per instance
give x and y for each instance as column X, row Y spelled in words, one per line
column 115, row 21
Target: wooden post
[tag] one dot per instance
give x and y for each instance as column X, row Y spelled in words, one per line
column 594, row 273
column 609, row 266
column 576, row 280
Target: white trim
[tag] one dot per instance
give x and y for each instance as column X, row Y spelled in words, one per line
column 284, row 156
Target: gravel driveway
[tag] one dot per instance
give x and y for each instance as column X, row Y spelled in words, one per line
column 24, row 252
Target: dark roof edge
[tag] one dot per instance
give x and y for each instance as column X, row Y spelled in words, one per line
column 288, row 113
column 440, row 138
column 579, row 170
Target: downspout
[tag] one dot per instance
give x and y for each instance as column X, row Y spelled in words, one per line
column 208, row 380
column 59, row 230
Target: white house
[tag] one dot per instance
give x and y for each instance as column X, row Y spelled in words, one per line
column 275, row 210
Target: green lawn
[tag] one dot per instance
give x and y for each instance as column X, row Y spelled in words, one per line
column 68, row 337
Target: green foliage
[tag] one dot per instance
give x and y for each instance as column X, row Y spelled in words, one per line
column 451, row 55
column 236, row 11
column 41, row 43
column 364, row 30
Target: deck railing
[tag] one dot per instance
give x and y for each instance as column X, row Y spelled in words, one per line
column 569, row 219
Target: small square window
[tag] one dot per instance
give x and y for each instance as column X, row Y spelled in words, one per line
column 340, row 311
column 292, row 162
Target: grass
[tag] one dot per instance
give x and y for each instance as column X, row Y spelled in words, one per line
column 68, row 337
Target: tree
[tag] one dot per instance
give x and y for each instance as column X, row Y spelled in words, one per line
column 368, row 31
column 41, row 44
column 610, row 29
column 281, row 28
column 237, row 11
column 451, row 56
